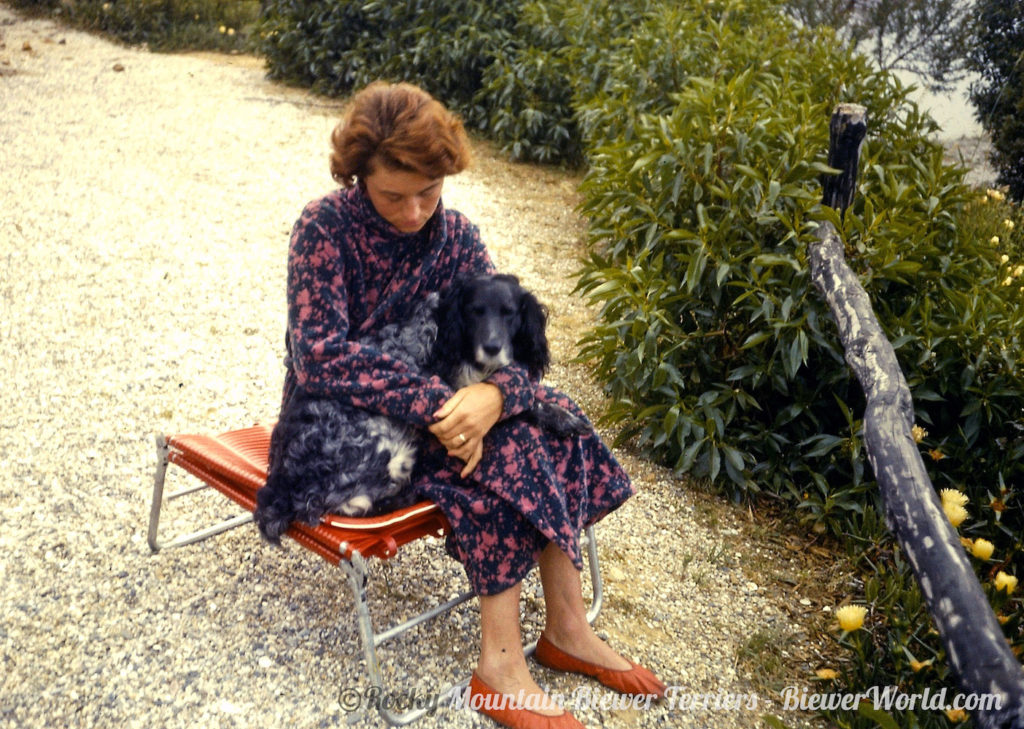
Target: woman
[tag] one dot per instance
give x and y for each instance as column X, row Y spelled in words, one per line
column 360, row 258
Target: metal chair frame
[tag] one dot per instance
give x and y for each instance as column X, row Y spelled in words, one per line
column 238, row 481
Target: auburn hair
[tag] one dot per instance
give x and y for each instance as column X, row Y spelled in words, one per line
column 399, row 126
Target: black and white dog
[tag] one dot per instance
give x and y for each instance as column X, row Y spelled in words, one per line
column 329, row 457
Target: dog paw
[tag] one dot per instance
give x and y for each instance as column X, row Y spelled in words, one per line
column 356, row 506
column 558, row 420
column 271, row 530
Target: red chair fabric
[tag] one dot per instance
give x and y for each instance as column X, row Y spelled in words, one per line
column 235, row 463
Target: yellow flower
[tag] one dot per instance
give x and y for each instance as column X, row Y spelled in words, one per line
column 936, row 454
column 996, row 195
column 982, row 549
column 1006, row 582
column 957, row 715
column 994, row 240
column 953, row 502
column 231, row 31
column 918, row 665
column 1003, row 258
column 1008, row 280
column 1008, row 224
column 826, row 674
column 953, row 496
column 955, row 513
column 851, row 617
column 1018, row 271
column 918, row 433
column 223, row 29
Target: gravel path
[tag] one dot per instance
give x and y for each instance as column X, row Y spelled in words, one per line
column 145, row 205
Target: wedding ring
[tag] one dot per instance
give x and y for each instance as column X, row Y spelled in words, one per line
column 462, row 438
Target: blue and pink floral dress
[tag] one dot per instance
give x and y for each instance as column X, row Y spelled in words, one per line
column 351, row 272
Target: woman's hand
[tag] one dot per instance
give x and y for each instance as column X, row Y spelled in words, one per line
column 465, row 419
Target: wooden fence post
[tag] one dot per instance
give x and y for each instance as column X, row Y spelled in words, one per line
column 976, row 649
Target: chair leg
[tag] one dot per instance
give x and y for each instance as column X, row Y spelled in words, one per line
column 596, row 586
column 159, row 478
column 356, row 571
column 158, row 493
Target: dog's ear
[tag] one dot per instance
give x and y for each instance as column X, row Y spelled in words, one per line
column 530, row 343
column 451, row 328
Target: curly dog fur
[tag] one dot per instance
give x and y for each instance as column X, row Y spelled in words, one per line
column 329, row 457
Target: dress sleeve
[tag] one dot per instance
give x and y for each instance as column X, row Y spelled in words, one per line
column 517, row 389
column 324, row 360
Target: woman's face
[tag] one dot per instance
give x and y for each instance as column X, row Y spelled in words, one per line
column 407, row 200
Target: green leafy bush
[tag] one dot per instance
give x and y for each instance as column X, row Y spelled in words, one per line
column 163, row 25
column 338, row 46
column 481, row 57
column 719, row 356
column 560, row 56
column 722, row 360
column 529, row 109
column 998, row 59
column 565, row 56
column 515, row 71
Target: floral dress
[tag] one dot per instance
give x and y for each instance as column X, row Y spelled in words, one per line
column 351, row 272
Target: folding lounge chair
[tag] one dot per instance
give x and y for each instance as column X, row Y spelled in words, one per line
column 235, row 463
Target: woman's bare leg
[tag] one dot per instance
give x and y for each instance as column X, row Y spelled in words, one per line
column 502, row 664
column 566, row 616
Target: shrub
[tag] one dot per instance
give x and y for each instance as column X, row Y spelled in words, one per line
column 719, row 357
column 338, row 46
column 559, row 57
column 163, row 25
column 544, row 95
column 515, row 71
column 998, row 58
column 529, row 102
column 41, row 6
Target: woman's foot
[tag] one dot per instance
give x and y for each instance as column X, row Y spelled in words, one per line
column 566, row 625
column 510, row 713
column 630, row 678
column 511, row 676
column 583, row 643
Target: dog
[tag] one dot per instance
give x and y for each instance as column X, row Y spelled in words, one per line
column 327, row 456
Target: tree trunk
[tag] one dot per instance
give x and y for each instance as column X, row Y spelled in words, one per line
column 974, row 642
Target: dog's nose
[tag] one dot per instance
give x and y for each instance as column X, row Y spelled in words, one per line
column 492, row 350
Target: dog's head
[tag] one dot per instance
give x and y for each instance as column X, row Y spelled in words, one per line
column 487, row 322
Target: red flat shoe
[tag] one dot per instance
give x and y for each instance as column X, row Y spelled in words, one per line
column 502, row 708
column 636, row 680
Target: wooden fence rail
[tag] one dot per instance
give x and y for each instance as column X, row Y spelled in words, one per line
column 976, row 649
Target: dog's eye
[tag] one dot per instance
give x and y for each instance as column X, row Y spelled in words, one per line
column 477, row 310
column 507, row 311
